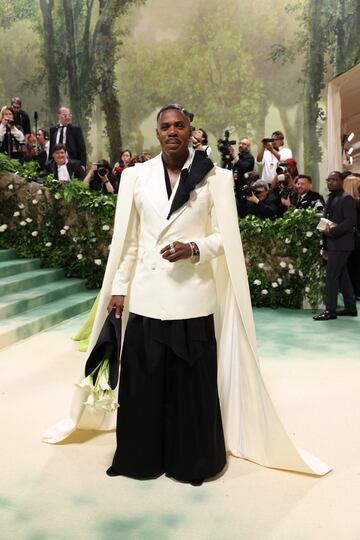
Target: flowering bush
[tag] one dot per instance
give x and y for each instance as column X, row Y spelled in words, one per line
column 70, row 226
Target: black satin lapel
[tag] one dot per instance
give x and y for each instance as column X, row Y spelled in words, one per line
column 200, row 167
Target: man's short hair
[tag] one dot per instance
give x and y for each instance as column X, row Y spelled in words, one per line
column 260, row 184
column 16, row 100
column 278, row 134
column 306, row 176
column 336, row 173
column 178, row 107
column 45, row 133
column 59, row 146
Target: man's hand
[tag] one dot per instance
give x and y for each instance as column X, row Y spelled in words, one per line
column 117, row 303
column 175, row 251
column 286, row 202
column 324, row 254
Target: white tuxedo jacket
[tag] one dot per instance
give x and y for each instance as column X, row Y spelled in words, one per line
column 156, row 287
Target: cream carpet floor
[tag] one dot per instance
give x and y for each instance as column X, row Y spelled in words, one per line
column 62, row 493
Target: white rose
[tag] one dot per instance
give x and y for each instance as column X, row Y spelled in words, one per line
column 35, row 201
column 97, row 262
column 279, row 280
column 288, row 291
column 291, row 265
column 57, row 196
column 66, row 227
column 105, row 228
column 10, row 186
column 28, row 220
column 39, row 192
column 301, row 274
column 309, row 234
column 96, row 205
column 16, row 214
column 257, row 282
column 79, row 256
column 23, row 223
column 62, row 231
column 21, row 206
column 48, row 244
column 274, row 284
column 307, row 289
column 287, row 240
column 261, row 265
column 304, row 250
column 74, row 239
column 283, row 264
column 291, row 271
column 34, row 233
column 264, row 291
column 3, row 227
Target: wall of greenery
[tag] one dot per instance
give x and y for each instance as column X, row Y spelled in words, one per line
column 70, row 226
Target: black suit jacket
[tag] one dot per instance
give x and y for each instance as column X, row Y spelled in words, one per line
column 75, row 143
column 73, row 166
column 245, row 164
column 341, row 211
column 311, row 199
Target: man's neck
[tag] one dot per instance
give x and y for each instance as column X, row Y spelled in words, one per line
column 175, row 163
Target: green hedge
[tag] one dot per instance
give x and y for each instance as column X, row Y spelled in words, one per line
column 70, row 226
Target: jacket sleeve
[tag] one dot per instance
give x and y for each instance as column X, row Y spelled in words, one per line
column 349, row 219
column 81, row 146
column 123, row 275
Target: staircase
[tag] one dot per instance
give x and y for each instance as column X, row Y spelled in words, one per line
column 32, row 299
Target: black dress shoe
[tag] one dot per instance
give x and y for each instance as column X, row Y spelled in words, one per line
column 197, row 482
column 348, row 312
column 112, row 472
column 325, row 316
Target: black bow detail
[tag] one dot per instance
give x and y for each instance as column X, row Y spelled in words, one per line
column 200, row 166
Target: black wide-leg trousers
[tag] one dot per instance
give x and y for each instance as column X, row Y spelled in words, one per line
column 169, row 419
column 337, row 279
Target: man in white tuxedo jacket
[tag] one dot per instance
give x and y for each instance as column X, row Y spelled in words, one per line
column 168, row 385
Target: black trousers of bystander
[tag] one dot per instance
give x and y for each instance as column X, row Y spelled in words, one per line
column 337, row 279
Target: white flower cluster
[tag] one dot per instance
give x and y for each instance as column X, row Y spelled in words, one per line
column 34, row 233
column 257, row 282
column 100, row 395
column 16, row 214
column 3, row 227
column 106, row 228
column 97, row 262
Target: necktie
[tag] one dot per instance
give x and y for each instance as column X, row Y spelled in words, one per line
column 61, row 138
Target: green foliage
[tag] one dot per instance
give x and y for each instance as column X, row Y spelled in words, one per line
column 71, row 227
column 283, row 260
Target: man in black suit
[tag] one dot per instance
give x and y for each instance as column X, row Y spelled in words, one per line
column 21, row 118
column 340, row 209
column 304, row 196
column 70, row 135
column 64, row 169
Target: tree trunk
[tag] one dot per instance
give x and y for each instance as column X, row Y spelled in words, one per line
column 312, row 91
column 53, row 92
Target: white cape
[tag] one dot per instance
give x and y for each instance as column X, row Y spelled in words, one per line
column 252, row 427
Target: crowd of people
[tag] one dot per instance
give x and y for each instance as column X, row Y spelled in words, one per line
column 61, row 151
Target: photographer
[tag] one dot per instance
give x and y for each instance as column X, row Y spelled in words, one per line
column 304, row 196
column 99, row 178
column 272, row 151
column 223, row 146
column 200, row 141
column 283, row 184
column 11, row 137
column 21, row 117
column 243, row 163
column 257, row 200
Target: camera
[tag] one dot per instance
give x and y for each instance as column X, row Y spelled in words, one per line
column 11, row 123
column 102, row 171
column 267, row 140
column 223, row 148
column 247, row 191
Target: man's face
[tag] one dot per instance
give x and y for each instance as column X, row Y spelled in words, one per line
column 303, row 186
column 261, row 193
column 59, row 157
column 278, row 141
column 173, row 132
column 64, row 116
column 334, row 182
column 244, row 146
column 40, row 138
column 16, row 106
